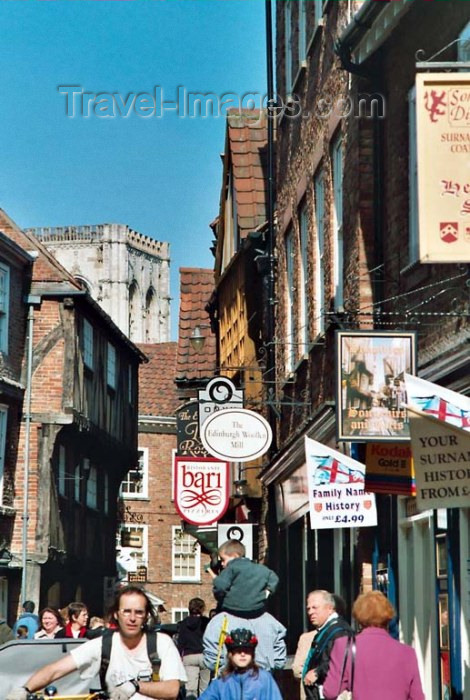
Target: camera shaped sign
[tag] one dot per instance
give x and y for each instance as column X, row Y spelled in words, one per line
column 241, row 532
column 219, row 394
column 237, row 435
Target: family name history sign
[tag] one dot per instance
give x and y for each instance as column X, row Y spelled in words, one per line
column 336, row 489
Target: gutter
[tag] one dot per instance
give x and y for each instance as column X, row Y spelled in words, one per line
column 370, row 27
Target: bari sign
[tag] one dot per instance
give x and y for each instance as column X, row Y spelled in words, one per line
column 238, row 435
column 201, row 489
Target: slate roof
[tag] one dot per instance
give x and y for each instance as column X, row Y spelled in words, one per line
column 196, row 288
column 157, row 388
column 246, row 148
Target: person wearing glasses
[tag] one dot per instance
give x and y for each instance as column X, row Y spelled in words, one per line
column 129, row 672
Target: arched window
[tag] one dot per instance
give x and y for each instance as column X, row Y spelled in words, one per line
column 151, row 316
column 135, row 313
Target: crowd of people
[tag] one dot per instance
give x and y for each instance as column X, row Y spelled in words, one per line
column 53, row 623
column 233, row 652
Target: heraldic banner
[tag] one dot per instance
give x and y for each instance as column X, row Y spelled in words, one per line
column 336, row 489
column 440, row 441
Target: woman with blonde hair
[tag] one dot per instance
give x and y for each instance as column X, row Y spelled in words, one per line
column 376, row 666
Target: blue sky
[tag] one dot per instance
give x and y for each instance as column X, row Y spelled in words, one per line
column 161, row 176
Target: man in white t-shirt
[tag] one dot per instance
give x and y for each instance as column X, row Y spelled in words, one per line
column 130, row 670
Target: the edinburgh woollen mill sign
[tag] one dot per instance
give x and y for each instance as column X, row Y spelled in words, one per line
column 238, row 435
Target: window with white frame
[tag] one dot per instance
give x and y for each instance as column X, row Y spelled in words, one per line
column 135, row 483
column 91, row 484
column 132, row 545
column 4, row 306
column 3, row 435
column 186, row 556
column 290, row 289
column 319, row 190
column 303, row 277
column 87, row 343
column 111, row 367
column 413, row 221
column 62, row 484
column 337, row 173
column 288, row 41
column 77, row 483
column 178, row 614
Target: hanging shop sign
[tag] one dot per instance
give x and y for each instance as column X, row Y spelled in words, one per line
column 219, row 394
column 187, row 431
column 370, row 395
column 443, row 151
column 201, row 489
column 336, row 489
column 238, row 435
column 237, row 531
column 138, row 576
column 440, row 442
column 389, row 468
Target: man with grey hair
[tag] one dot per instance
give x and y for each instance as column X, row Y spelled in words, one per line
column 329, row 625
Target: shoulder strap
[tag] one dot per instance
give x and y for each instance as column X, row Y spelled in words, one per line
column 152, row 653
column 106, row 643
column 349, row 648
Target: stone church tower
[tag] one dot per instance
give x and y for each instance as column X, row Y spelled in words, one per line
column 126, row 272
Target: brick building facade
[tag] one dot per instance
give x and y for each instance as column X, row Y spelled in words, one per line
column 77, row 439
column 173, row 559
column 347, row 255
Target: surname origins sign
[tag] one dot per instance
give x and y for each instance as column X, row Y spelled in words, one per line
column 440, row 441
column 336, row 489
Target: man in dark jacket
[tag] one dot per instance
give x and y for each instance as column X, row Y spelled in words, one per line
column 190, row 633
column 329, row 625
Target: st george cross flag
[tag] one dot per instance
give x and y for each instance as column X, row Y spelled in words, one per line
column 440, row 441
column 336, row 489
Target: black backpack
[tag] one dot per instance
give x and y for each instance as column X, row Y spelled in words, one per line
column 151, row 638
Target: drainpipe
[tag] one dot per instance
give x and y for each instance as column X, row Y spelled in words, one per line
column 31, row 301
column 271, row 111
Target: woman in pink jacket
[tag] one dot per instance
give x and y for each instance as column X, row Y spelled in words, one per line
column 383, row 667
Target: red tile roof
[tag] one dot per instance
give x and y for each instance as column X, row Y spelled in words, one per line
column 247, row 138
column 196, row 288
column 157, row 388
column 47, row 271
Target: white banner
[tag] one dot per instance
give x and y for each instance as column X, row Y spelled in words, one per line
column 336, row 489
column 440, row 440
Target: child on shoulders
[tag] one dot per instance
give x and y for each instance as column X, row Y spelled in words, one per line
column 243, row 585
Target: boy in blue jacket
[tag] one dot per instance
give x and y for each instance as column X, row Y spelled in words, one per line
column 243, row 585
